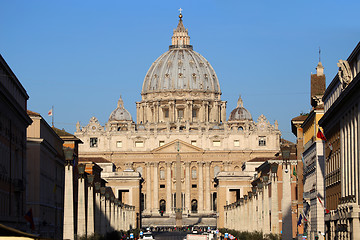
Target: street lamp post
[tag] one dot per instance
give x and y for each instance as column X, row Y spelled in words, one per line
column 68, row 227
column 286, row 198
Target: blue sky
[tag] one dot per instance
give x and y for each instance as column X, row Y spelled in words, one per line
column 80, row 56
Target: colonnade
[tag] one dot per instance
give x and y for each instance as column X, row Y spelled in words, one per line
column 193, row 111
column 258, row 210
column 98, row 211
column 252, row 212
column 203, row 182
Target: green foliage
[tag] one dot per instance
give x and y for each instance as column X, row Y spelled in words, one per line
column 250, row 235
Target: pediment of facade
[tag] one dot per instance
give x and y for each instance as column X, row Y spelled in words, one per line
column 172, row 147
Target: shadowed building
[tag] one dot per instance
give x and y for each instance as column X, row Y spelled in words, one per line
column 13, row 123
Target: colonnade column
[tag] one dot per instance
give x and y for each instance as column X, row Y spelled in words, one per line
column 266, row 228
column 97, row 210
column 148, row 187
column 68, row 227
column 90, row 208
column 187, row 187
column 168, row 187
column 207, row 187
column 274, row 205
column 201, row 188
column 81, row 218
column 156, row 188
column 286, row 202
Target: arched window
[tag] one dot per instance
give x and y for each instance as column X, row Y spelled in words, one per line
column 194, row 206
column 162, row 173
column 162, row 206
column 193, row 173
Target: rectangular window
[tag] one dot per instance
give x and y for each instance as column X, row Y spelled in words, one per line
column 236, row 143
column 162, row 185
column 194, row 113
column 262, row 141
column 161, row 143
column 193, row 142
column 93, row 142
column 216, row 143
column 166, row 113
column 119, row 144
column 181, row 113
column 139, row 144
column 194, row 186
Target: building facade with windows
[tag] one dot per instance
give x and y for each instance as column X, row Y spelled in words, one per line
column 341, row 127
column 13, row 123
column 180, row 112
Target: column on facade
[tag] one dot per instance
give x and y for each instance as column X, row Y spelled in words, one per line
column 156, row 188
column 168, row 187
column 187, row 187
column 81, row 217
column 201, row 188
column 342, row 159
column 223, row 112
column 68, row 228
column 90, row 211
column 274, row 205
column 171, row 111
column 356, row 154
column 207, row 187
column 148, row 187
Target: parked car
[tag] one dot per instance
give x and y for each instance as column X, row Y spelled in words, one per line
column 148, row 235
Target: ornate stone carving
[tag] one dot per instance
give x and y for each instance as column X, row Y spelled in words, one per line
column 345, row 75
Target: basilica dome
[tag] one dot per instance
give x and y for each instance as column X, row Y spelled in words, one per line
column 181, row 68
column 120, row 113
column 240, row 113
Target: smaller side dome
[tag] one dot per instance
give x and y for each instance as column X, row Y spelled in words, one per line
column 120, row 113
column 240, row 113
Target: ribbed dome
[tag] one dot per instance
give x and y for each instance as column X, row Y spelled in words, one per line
column 240, row 113
column 181, row 68
column 120, row 113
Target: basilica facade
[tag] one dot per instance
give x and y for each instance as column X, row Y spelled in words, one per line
column 180, row 115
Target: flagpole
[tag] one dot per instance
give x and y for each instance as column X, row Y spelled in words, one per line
column 52, row 116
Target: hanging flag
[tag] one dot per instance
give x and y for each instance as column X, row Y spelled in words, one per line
column 326, row 210
column 299, row 221
column 321, row 135
column 29, row 217
column 294, row 172
column 50, row 112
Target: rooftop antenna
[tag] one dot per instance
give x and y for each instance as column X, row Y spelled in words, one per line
column 319, row 54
